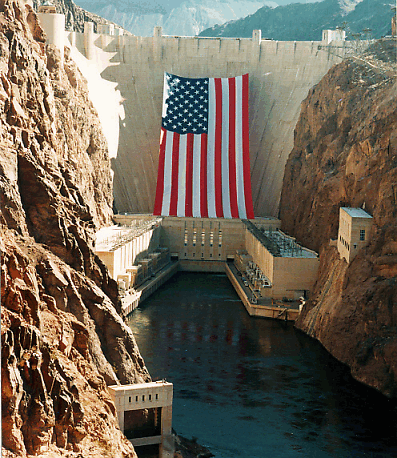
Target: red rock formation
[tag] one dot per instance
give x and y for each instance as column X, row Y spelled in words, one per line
column 345, row 154
column 63, row 339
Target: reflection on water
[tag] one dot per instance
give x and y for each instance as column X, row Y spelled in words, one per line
column 255, row 388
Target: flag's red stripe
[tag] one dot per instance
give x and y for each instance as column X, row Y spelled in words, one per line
column 232, row 148
column 174, row 175
column 218, row 148
column 246, row 151
column 189, row 175
column 203, row 177
column 158, row 203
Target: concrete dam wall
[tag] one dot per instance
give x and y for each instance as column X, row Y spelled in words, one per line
column 281, row 74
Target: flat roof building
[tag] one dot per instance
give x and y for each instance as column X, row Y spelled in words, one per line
column 290, row 269
column 121, row 247
column 333, row 35
column 354, row 228
column 144, row 413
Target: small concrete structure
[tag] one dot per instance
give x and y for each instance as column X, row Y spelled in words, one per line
column 53, row 25
column 105, row 29
column 257, row 36
column 89, row 38
column 130, row 300
column 262, row 307
column 354, row 228
column 144, row 413
column 333, row 35
column 47, row 7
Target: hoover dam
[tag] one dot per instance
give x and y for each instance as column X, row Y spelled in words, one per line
column 281, row 74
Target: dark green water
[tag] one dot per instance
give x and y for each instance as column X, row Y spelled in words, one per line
column 255, row 388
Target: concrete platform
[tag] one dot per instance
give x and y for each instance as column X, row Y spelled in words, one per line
column 266, row 307
column 136, row 296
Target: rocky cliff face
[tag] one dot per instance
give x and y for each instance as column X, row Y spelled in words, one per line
column 63, row 339
column 345, row 154
column 75, row 16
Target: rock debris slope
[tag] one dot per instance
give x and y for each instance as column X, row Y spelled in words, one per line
column 62, row 336
column 345, row 154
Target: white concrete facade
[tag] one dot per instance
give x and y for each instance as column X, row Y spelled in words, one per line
column 106, row 29
column 354, row 231
column 54, row 26
column 204, row 244
column 289, row 269
column 281, row 73
column 120, row 248
column 329, row 36
column 157, row 396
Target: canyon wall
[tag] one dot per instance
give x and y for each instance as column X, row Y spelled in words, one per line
column 345, row 154
column 75, row 16
column 281, row 74
column 63, row 339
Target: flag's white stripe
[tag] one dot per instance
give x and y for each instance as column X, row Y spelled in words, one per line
column 211, row 149
column 182, row 176
column 225, row 149
column 239, row 149
column 165, row 95
column 165, row 209
column 196, row 176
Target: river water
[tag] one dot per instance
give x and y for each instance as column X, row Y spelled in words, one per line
column 255, row 388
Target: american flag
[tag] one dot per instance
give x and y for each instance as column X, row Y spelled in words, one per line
column 204, row 166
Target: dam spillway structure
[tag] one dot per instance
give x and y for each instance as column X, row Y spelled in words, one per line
column 281, row 74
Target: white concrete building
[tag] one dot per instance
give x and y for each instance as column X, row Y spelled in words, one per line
column 354, row 229
column 144, row 413
column 285, row 268
column 333, row 35
column 53, row 24
column 120, row 247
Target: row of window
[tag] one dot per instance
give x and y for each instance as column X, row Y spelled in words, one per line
column 343, row 241
column 143, row 398
column 347, row 245
column 202, row 255
column 211, row 238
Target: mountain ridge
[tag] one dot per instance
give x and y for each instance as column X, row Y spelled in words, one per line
column 188, row 17
column 305, row 21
